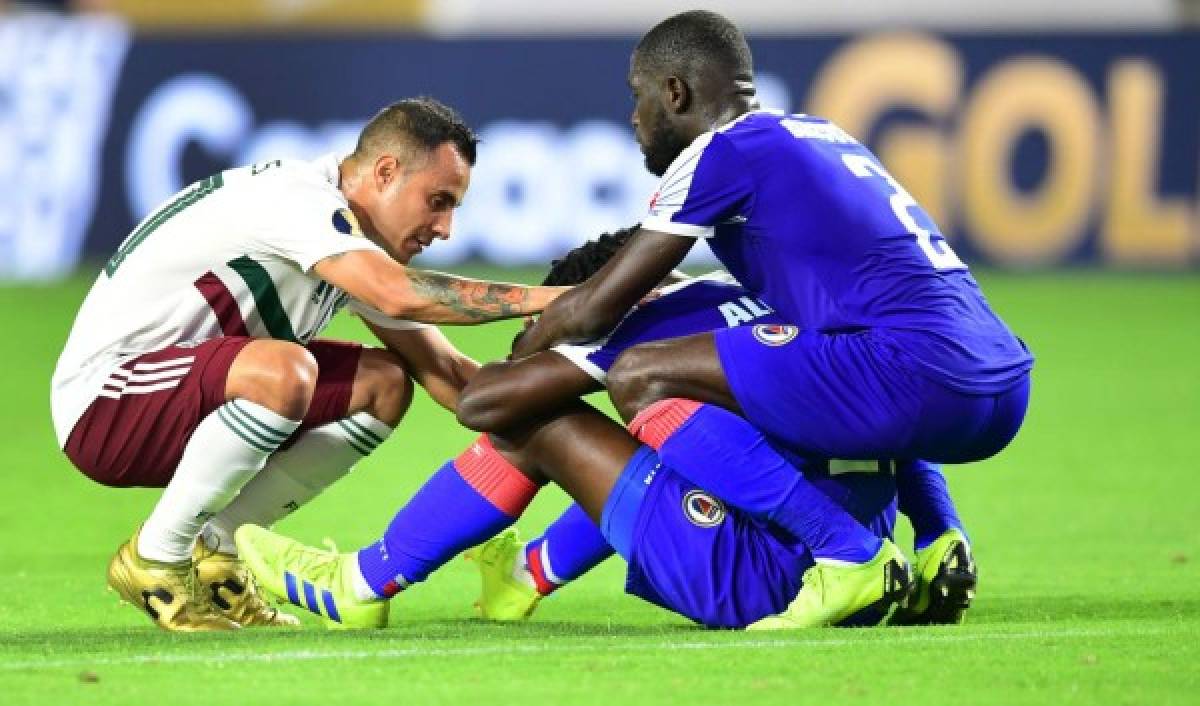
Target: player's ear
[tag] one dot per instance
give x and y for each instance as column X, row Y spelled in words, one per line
column 678, row 95
column 387, row 170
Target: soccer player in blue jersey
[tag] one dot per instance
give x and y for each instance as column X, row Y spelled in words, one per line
column 516, row 575
column 686, row 551
column 889, row 351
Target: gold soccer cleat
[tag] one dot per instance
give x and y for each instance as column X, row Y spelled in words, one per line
column 230, row 588
column 166, row 592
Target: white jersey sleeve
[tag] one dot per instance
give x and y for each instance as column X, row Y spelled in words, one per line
column 316, row 224
column 581, row 356
column 705, row 186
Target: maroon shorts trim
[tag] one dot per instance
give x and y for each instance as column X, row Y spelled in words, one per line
column 135, row 432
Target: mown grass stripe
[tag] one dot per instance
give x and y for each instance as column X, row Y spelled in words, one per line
column 886, row 639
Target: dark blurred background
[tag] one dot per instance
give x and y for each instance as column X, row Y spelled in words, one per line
column 1038, row 134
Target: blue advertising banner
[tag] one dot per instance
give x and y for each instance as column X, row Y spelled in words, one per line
column 1030, row 151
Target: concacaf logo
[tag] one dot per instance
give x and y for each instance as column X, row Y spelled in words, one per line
column 345, row 222
column 702, row 509
column 775, row 334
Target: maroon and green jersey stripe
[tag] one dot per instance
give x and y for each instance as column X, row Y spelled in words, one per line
column 266, row 300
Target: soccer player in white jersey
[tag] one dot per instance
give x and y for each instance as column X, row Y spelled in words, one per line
column 193, row 364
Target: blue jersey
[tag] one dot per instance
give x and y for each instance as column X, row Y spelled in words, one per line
column 808, row 220
column 707, row 303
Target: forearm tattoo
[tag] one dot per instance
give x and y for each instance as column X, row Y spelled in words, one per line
column 472, row 299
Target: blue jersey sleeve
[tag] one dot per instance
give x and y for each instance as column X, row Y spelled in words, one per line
column 705, row 186
column 703, row 304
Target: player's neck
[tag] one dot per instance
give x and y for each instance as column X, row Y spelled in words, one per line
column 734, row 108
column 350, row 183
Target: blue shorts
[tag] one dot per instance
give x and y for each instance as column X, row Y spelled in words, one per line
column 857, row 395
column 690, row 553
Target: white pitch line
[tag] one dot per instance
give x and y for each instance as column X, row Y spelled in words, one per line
column 565, row 645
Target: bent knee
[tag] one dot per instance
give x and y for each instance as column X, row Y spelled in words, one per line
column 633, row 384
column 279, row 375
column 382, row 386
column 476, row 414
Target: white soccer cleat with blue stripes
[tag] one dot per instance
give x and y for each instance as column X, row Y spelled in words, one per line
column 318, row 581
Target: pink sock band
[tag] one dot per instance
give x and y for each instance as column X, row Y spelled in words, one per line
column 655, row 423
column 503, row 484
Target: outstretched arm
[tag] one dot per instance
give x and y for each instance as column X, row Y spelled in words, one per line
column 431, row 359
column 429, row 297
column 593, row 308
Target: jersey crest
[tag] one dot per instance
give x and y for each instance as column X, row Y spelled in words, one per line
column 702, row 509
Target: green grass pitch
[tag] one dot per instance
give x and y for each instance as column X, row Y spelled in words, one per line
column 1085, row 530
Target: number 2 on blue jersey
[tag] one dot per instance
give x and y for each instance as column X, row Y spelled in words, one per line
column 939, row 253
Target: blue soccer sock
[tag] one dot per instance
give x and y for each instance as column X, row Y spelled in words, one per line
column 724, row 454
column 467, row 501
column 923, row 497
column 570, row 547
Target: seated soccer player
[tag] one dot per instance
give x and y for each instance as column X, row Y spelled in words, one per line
column 515, row 575
column 687, row 551
column 412, row 546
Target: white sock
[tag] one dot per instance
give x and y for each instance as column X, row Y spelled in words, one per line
column 362, row 589
column 228, row 447
column 296, row 475
column 520, row 570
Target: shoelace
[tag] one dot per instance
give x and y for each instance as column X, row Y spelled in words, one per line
column 815, row 578
column 252, row 592
column 192, row 585
column 316, row 565
column 199, row 596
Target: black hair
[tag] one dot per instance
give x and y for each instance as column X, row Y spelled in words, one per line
column 582, row 262
column 425, row 122
column 694, row 41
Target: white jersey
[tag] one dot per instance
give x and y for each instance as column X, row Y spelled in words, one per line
column 229, row 255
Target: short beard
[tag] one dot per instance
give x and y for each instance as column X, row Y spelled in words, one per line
column 663, row 147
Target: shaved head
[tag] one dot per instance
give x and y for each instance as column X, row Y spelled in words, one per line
column 411, row 128
column 693, row 45
column 688, row 74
